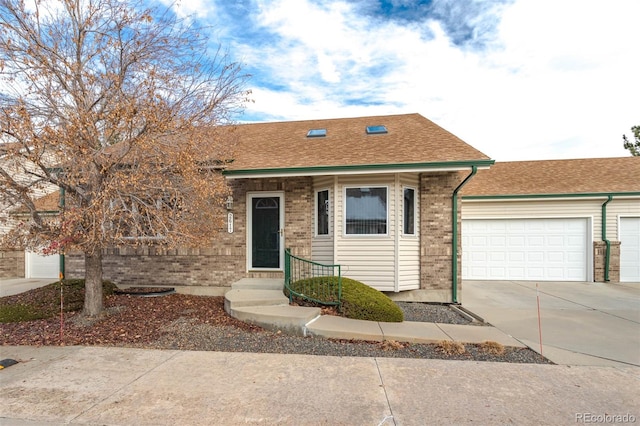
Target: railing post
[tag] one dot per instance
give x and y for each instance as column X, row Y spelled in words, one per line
column 315, row 278
column 287, row 272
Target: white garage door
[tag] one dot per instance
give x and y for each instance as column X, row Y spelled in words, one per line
column 524, row 249
column 38, row 266
column 630, row 249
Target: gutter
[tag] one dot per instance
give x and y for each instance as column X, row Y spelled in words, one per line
column 557, row 195
column 607, row 255
column 444, row 166
column 454, row 242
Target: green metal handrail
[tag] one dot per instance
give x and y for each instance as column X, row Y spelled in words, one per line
column 312, row 281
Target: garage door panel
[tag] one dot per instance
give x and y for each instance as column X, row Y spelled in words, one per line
column 555, row 241
column 39, row 266
column 536, row 249
column 535, row 241
column 496, row 241
column 535, row 256
column 517, row 241
column 516, row 256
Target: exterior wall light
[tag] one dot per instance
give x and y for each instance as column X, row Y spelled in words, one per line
column 229, row 203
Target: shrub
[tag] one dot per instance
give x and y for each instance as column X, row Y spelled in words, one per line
column 44, row 302
column 449, row 347
column 491, row 347
column 359, row 301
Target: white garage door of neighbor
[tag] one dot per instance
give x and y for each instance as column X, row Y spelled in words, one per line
column 630, row 249
column 39, row 266
column 524, row 249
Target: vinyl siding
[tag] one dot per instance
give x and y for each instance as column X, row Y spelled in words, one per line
column 388, row 262
column 540, row 208
column 20, row 175
column 409, row 245
column 322, row 246
column 371, row 258
column 502, row 209
column 617, row 208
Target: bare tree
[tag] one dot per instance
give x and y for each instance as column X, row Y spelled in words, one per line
column 121, row 107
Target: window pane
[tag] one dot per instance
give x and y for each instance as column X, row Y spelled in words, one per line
column 409, row 211
column 323, row 213
column 366, row 211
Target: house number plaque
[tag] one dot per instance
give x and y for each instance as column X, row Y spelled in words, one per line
column 230, row 223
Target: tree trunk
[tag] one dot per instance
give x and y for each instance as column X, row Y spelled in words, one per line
column 93, row 284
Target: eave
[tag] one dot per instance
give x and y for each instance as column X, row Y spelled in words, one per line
column 442, row 166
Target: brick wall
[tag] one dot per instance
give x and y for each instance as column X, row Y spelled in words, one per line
column 436, row 230
column 599, row 255
column 12, row 263
column 225, row 260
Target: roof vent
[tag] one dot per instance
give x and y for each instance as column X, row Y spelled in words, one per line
column 375, row 130
column 317, row 133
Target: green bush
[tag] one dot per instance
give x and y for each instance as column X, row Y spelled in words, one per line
column 359, row 301
column 44, row 302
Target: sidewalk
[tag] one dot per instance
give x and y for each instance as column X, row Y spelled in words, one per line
column 96, row 385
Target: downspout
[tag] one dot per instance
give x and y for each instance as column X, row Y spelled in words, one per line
column 454, row 243
column 607, row 253
column 62, row 265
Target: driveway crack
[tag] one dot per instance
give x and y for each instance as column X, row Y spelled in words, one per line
column 384, row 389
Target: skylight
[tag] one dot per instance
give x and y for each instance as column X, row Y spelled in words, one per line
column 374, row 130
column 316, row 133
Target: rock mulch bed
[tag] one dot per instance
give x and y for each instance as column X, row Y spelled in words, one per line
column 187, row 322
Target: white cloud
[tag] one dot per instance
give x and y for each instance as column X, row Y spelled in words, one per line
column 558, row 80
column 197, row 8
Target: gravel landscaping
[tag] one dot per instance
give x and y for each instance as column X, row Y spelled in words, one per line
column 185, row 322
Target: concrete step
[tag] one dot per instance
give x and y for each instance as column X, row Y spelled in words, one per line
column 288, row 319
column 237, row 298
column 259, row 284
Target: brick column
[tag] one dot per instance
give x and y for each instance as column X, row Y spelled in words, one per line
column 599, row 254
column 12, row 263
column 436, row 229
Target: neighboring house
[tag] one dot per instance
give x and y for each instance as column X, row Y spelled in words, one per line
column 16, row 262
column 543, row 221
column 373, row 194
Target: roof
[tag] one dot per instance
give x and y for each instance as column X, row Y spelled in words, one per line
column 49, row 203
column 410, row 139
column 579, row 176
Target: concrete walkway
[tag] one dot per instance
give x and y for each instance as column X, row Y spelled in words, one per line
column 582, row 323
column 118, row 386
column 262, row 302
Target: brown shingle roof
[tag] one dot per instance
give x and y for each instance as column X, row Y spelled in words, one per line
column 48, row 203
column 411, row 138
column 590, row 175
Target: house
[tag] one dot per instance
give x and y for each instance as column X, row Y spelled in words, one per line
column 16, row 262
column 377, row 195
column 555, row 220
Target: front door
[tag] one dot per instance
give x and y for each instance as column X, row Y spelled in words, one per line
column 265, row 237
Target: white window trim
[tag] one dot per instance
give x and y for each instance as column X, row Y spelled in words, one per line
column 344, row 211
column 415, row 211
column 315, row 214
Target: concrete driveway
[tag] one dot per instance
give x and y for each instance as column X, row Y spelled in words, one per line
column 11, row 286
column 581, row 323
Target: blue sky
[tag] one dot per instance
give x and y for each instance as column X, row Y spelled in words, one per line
column 517, row 79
